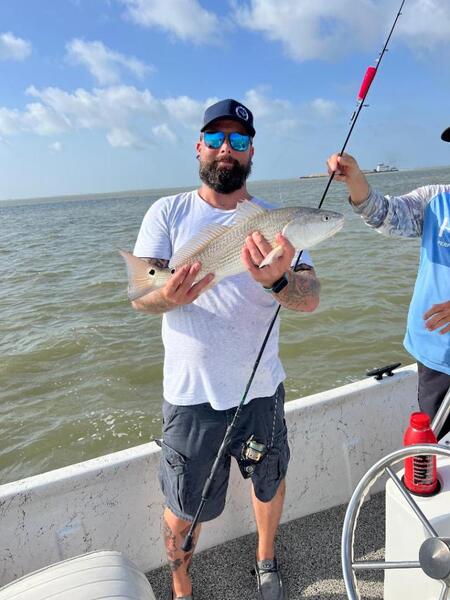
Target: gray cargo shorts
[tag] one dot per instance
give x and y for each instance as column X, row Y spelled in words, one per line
column 191, row 439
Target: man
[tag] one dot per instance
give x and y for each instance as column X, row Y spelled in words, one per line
column 425, row 213
column 211, row 339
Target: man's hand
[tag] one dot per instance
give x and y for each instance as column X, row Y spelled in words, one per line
column 438, row 316
column 179, row 290
column 346, row 169
column 257, row 248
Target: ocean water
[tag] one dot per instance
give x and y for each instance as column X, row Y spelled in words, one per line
column 81, row 372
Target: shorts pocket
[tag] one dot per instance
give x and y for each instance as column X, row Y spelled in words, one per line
column 175, row 461
column 277, row 462
column 273, row 466
column 172, row 478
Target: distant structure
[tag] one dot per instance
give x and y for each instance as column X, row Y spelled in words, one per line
column 380, row 168
column 384, row 168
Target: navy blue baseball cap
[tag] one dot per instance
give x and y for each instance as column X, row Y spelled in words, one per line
column 229, row 109
column 445, row 135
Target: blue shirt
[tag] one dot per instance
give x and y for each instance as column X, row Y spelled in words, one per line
column 423, row 212
column 432, row 286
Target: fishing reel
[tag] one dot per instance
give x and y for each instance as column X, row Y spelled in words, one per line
column 252, row 454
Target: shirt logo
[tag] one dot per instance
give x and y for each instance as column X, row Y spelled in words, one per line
column 442, row 230
column 444, row 227
column 242, row 113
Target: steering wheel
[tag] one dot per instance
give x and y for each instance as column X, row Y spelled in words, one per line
column 434, row 553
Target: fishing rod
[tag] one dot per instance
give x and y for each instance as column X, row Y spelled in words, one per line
column 364, row 90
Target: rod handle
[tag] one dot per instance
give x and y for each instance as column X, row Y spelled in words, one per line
column 186, row 546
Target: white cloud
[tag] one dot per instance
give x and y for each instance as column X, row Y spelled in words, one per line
column 9, row 121
column 129, row 117
column 112, row 109
column 13, row 48
column 55, row 147
column 425, row 24
column 132, row 118
column 36, row 118
column 164, row 132
column 327, row 30
column 187, row 110
column 103, row 63
column 185, row 19
column 324, row 109
column 262, row 106
column 43, row 120
column 123, row 138
column 312, row 30
column 283, row 115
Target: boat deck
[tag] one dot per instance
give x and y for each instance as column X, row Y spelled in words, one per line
column 308, row 551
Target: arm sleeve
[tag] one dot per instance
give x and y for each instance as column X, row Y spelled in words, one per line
column 396, row 215
column 305, row 258
column 153, row 239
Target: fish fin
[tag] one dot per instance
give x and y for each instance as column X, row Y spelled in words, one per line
column 184, row 254
column 272, row 256
column 140, row 282
column 246, row 210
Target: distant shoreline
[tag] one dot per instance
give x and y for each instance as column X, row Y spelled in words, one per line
column 127, row 194
column 365, row 171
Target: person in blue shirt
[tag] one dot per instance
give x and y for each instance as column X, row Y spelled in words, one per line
column 425, row 213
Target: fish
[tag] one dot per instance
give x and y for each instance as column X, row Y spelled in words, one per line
column 218, row 247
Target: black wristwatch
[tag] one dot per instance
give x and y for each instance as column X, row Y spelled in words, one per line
column 279, row 285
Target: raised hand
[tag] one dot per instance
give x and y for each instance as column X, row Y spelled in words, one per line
column 346, row 169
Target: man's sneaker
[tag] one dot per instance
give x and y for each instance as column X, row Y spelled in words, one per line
column 268, row 579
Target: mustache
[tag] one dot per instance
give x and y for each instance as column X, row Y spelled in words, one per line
column 226, row 159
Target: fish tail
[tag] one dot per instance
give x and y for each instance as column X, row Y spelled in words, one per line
column 142, row 277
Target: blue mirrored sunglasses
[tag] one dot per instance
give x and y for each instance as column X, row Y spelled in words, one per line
column 238, row 141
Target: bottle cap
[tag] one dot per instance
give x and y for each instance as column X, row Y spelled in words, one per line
column 420, row 420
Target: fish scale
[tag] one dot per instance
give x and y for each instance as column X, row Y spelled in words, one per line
column 222, row 256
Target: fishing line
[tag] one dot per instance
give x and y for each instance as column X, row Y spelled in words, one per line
column 364, row 89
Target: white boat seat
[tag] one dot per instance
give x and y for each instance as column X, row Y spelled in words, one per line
column 102, row 574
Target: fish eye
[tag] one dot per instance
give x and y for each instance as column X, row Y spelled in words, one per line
column 151, row 272
column 326, row 218
column 172, row 271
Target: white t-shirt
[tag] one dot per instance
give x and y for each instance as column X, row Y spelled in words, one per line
column 211, row 345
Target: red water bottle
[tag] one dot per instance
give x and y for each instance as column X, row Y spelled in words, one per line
column 420, row 471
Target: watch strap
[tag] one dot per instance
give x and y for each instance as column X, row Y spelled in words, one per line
column 278, row 285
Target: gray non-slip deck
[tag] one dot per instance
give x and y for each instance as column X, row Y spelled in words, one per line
column 308, row 551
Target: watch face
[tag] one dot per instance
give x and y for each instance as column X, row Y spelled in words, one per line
column 280, row 284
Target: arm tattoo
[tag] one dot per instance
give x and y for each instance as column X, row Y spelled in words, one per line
column 302, row 291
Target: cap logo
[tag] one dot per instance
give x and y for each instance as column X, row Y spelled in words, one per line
column 242, row 113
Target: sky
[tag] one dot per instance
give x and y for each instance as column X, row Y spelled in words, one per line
column 108, row 95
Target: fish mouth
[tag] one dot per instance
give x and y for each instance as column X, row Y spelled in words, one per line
column 338, row 226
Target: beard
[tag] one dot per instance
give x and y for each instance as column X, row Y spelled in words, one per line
column 224, row 180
